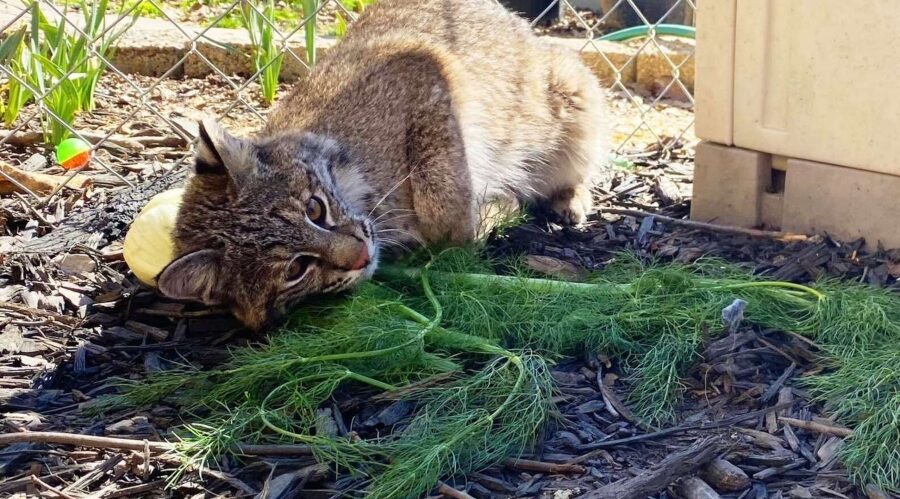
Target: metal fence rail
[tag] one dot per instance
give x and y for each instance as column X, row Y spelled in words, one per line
column 203, row 47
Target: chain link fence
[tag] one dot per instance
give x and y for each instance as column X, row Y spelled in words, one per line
column 131, row 76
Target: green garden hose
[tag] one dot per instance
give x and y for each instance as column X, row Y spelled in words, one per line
column 661, row 29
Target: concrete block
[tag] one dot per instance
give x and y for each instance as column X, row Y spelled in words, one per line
column 653, row 63
column 728, row 185
column 745, row 188
column 844, row 202
column 229, row 50
column 151, row 48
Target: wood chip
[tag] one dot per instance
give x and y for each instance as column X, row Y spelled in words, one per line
column 76, row 263
column 695, row 488
column 828, row 451
column 148, row 330
column 724, row 476
column 763, row 439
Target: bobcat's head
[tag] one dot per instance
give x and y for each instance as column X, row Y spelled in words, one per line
column 265, row 223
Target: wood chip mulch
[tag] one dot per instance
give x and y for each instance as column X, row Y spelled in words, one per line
column 72, row 322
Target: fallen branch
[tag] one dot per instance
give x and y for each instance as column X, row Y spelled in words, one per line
column 51, row 490
column 60, row 438
column 272, row 450
column 787, row 237
column 542, row 467
column 27, row 139
column 837, row 431
column 451, row 492
column 34, row 312
column 659, row 476
column 53, row 437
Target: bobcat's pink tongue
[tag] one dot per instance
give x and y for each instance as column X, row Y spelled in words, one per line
column 362, row 260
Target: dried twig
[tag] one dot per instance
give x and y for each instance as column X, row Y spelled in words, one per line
column 542, row 467
column 51, row 490
column 838, row 431
column 763, row 234
column 10, row 484
column 95, row 475
column 34, row 312
column 33, row 211
column 53, row 437
column 451, row 492
column 610, row 397
column 60, row 438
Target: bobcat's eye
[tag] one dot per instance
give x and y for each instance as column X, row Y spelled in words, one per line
column 298, row 267
column 315, row 210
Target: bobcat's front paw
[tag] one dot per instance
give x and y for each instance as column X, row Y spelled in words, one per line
column 572, row 205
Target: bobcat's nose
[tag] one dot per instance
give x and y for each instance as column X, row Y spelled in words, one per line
column 362, row 260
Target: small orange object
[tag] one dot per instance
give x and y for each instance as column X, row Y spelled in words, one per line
column 73, row 153
column 77, row 161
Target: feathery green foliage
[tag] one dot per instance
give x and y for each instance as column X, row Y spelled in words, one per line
column 471, row 348
column 863, row 391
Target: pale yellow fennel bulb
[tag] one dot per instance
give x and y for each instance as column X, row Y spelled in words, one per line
column 149, row 246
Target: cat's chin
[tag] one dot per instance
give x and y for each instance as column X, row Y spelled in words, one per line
column 369, row 270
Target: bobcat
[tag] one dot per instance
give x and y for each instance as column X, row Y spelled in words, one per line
column 427, row 114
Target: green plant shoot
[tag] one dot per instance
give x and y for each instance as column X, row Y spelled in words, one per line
column 11, row 53
column 267, row 57
column 61, row 65
column 310, row 17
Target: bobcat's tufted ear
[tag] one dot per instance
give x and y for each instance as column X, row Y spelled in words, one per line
column 220, row 153
column 193, row 277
